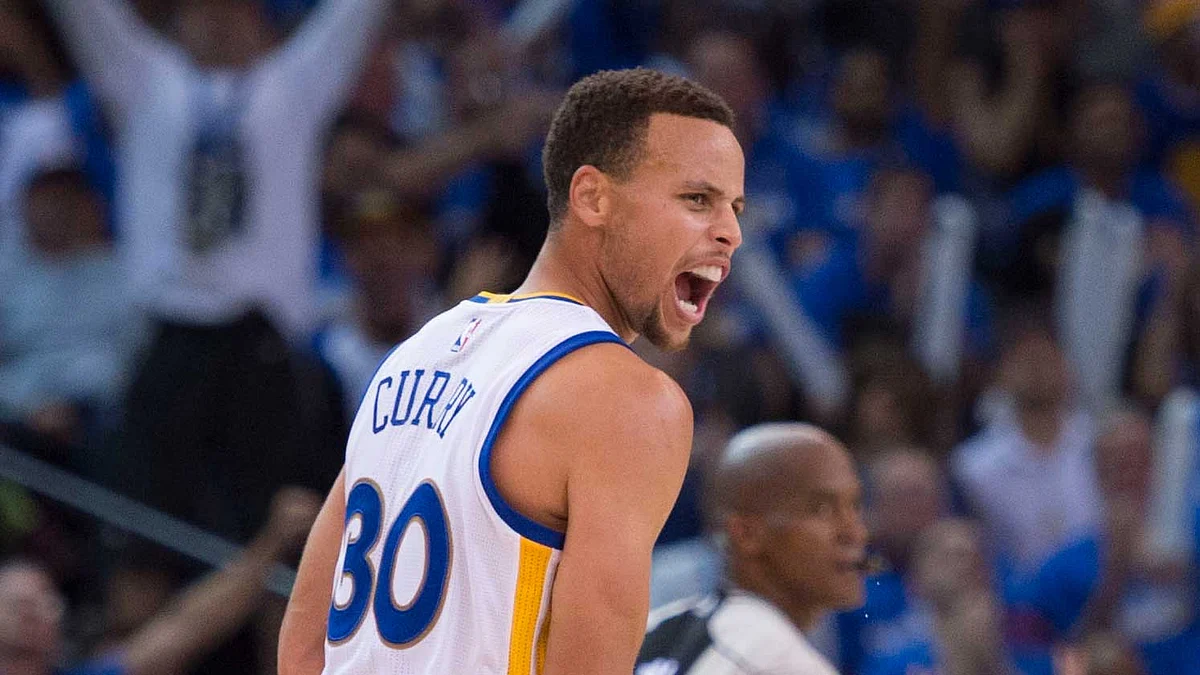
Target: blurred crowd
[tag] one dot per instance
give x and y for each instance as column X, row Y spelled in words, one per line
column 970, row 252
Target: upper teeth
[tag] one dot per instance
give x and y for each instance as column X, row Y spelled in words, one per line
column 708, row 273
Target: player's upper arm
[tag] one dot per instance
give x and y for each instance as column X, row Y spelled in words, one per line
column 631, row 442
column 627, row 432
column 302, row 635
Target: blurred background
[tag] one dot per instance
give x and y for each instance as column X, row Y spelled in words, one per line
column 970, row 252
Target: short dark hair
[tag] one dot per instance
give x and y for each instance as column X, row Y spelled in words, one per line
column 376, row 211
column 61, row 177
column 603, row 122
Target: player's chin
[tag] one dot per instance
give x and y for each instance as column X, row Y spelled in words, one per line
column 853, row 598
column 660, row 332
column 668, row 340
column 848, row 591
column 671, row 343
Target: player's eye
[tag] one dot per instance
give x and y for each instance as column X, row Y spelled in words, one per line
column 822, row 508
column 696, row 199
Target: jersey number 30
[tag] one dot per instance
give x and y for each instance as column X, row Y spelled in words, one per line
column 399, row 625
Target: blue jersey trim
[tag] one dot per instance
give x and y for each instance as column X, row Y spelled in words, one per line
column 545, row 297
column 501, row 299
column 522, row 525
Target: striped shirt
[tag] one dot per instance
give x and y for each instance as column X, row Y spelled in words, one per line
column 727, row 633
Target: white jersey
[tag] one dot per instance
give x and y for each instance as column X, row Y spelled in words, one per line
column 437, row 574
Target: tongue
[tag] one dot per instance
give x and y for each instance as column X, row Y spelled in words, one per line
column 683, row 287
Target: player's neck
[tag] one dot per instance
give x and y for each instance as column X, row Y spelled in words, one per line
column 803, row 615
column 555, row 271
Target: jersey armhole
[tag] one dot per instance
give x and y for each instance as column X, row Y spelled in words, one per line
column 522, row 525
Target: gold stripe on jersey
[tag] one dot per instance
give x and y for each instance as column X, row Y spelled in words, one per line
column 543, row 637
column 527, row 608
column 501, row 298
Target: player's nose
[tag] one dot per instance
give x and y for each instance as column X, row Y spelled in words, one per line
column 852, row 529
column 728, row 230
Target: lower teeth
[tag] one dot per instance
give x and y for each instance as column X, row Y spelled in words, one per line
column 689, row 306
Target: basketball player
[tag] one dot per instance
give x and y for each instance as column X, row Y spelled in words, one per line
column 512, row 463
column 784, row 499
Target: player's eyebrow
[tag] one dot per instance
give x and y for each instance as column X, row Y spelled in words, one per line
column 739, row 202
column 828, row 495
column 703, row 186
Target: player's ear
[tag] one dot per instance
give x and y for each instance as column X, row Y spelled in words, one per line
column 589, row 195
column 745, row 534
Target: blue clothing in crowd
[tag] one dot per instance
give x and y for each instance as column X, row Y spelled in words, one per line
column 1169, row 641
column 605, row 35
column 889, row 635
column 787, row 190
column 893, row 633
column 848, row 175
column 1056, row 190
column 87, row 123
column 11, row 95
column 110, row 665
column 1028, row 635
column 1168, row 121
column 838, row 289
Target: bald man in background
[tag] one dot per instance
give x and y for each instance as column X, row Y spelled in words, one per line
column 785, row 501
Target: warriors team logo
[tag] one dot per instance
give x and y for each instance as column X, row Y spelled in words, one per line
column 465, row 336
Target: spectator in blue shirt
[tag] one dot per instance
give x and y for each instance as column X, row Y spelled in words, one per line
column 1097, row 236
column 879, row 272
column 786, row 190
column 1105, row 148
column 483, row 174
column 953, row 585
column 611, row 34
column 1106, row 144
column 46, row 114
column 943, row 616
column 866, row 124
column 205, row 614
column 1112, row 580
column 889, row 635
column 1169, row 94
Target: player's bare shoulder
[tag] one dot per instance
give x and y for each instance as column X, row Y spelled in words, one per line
column 608, row 389
column 599, row 410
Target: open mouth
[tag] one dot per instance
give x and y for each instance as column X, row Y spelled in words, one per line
column 694, row 287
column 848, row 567
column 861, row 565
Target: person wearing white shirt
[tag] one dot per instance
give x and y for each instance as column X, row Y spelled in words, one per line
column 1028, row 476
column 218, row 147
column 786, row 502
column 218, row 143
column 33, row 136
column 63, row 362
